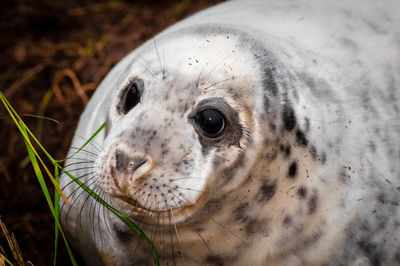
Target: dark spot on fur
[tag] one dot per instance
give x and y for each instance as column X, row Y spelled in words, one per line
column 292, row 170
column 381, row 198
column 343, row 176
column 306, row 124
column 213, row 260
column 213, row 205
column 240, row 212
column 272, row 126
column 372, row 146
column 288, row 221
column 254, row 226
column 301, row 138
column 371, row 251
column 285, row 150
column 122, row 234
column 302, row 192
column 313, row 152
column 266, row 192
column 269, row 81
column 272, row 154
column 289, row 118
column 323, row 158
column 397, row 256
column 312, row 203
column 266, row 103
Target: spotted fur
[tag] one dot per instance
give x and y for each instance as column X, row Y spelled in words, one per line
column 306, row 170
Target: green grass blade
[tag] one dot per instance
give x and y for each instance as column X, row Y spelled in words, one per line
column 42, row 117
column 46, row 193
column 4, row 257
column 87, row 142
column 23, row 129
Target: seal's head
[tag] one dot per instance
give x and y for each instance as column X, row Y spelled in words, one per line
column 203, row 150
column 175, row 126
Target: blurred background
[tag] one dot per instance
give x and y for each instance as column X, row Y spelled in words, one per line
column 53, row 55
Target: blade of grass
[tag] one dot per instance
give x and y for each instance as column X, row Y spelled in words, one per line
column 42, row 117
column 46, row 193
column 4, row 257
column 87, row 142
column 14, row 115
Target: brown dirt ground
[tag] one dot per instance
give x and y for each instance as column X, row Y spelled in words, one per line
column 60, row 47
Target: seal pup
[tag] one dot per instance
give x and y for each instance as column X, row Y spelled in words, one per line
column 252, row 133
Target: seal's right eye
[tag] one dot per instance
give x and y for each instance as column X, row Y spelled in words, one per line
column 131, row 96
column 211, row 121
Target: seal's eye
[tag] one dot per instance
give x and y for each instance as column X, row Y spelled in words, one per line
column 131, row 96
column 211, row 122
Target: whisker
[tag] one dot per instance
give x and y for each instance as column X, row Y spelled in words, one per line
column 83, row 150
column 72, row 181
column 182, row 178
column 165, row 67
column 72, row 194
column 82, row 162
column 146, row 62
column 79, row 218
column 227, row 230
column 218, row 82
column 172, row 240
column 205, row 243
column 105, row 197
column 159, row 60
column 81, row 168
column 92, row 142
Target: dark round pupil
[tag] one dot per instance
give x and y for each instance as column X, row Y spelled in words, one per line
column 211, row 121
column 132, row 98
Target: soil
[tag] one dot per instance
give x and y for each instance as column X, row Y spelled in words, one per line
column 59, row 51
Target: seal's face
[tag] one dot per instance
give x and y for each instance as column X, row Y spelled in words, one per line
column 204, row 150
column 174, row 131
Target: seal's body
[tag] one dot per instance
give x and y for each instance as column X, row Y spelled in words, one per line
column 252, row 133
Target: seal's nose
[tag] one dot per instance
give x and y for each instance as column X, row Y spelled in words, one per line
column 128, row 169
column 124, row 163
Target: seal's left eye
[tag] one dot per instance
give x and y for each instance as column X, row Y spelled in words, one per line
column 211, row 122
column 131, row 96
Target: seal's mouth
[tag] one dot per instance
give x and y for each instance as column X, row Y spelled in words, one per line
column 137, row 212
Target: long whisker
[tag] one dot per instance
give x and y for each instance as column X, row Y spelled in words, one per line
column 159, row 60
column 146, row 62
column 95, row 155
column 224, row 80
column 205, row 243
column 92, row 143
column 227, row 230
column 81, row 162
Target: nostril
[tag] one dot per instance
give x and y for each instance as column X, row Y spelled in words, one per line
column 126, row 163
column 121, row 160
column 136, row 163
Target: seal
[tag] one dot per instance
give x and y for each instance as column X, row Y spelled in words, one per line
column 252, row 133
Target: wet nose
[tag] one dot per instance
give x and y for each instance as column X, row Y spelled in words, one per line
column 129, row 168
